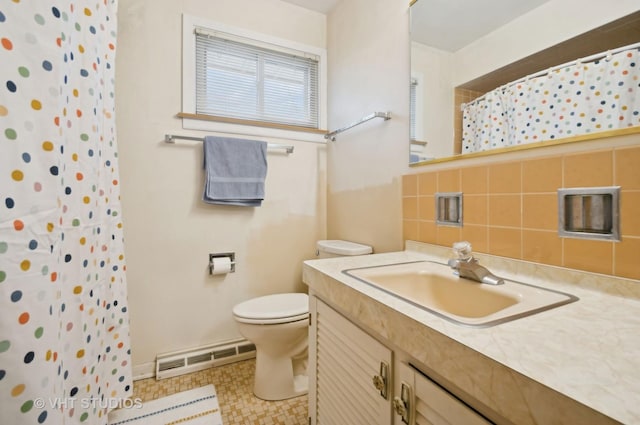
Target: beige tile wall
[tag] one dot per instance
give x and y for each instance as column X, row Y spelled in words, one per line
column 510, row 209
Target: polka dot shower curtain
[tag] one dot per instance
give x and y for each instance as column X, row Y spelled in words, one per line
column 485, row 120
column 573, row 100
column 64, row 327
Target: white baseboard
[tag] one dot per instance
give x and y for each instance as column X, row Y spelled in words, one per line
column 144, row 371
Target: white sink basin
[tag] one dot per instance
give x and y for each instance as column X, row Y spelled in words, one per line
column 432, row 286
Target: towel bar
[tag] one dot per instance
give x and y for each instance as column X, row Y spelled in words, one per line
column 332, row 135
column 170, row 138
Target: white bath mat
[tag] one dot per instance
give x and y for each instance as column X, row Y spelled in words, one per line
column 194, row 407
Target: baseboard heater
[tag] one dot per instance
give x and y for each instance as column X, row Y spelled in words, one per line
column 195, row 359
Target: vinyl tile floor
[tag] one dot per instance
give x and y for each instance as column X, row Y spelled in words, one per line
column 234, row 387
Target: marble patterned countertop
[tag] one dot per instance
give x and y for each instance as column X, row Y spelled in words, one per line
column 578, row 363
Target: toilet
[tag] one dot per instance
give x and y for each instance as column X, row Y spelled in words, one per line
column 278, row 325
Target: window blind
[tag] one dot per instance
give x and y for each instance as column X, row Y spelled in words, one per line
column 412, row 108
column 238, row 79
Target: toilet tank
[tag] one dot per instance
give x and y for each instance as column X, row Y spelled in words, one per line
column 338, row 248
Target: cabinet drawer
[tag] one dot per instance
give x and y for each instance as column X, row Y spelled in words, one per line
column 433, row 405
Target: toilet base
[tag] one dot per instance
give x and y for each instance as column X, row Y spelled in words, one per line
column 280, row 378
column 281, row 344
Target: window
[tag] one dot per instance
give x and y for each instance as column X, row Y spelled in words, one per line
column 238, row 81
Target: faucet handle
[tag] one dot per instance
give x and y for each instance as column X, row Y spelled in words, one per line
column 462, row 251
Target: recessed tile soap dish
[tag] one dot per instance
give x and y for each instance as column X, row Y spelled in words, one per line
column 449, row 208
column 589, row 213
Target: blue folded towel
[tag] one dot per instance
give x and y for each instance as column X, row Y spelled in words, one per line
column 235, row 170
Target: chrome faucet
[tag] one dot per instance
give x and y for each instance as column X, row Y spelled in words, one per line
column 466, row 266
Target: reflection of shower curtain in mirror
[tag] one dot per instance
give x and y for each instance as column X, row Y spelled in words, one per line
column 64, row 326
column 577, row 99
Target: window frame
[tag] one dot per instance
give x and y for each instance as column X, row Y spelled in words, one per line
column 258, row 128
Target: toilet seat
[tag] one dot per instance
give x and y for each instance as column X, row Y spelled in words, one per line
column 273, row 309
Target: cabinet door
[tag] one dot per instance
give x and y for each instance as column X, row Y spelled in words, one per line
column 428, row 403
column 350, row 372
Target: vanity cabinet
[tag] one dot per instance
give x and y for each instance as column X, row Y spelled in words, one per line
column 349, row 372
column 351, row 380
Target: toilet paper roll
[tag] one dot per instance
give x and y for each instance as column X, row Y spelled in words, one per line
column 221, row 265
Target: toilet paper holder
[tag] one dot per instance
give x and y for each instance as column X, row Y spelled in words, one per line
column 230, row 255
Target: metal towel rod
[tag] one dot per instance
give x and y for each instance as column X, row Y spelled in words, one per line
column 170, row 138
column 332, row 135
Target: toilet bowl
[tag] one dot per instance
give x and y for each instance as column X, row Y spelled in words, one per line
column 278, row 326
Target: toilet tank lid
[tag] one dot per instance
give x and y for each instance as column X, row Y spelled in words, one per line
column 340, row 247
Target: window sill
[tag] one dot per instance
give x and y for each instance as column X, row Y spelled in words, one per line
column 249, row 127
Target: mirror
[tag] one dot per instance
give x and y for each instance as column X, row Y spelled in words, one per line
column 453, row 58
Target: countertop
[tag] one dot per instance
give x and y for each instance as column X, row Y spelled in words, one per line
column 578, row 363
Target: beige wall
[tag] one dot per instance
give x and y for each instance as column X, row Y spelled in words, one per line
column 174, row 303
column 368, row 48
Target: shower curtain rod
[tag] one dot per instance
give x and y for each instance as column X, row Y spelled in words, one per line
column 591, row 58
column 170, row 138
